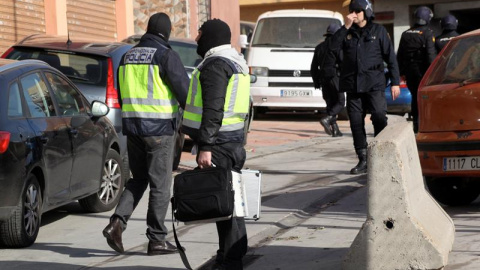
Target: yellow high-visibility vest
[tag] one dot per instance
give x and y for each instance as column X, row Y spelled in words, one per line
column 237, row 101
column 144, row 94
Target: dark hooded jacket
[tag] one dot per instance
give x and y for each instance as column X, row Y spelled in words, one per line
column 174, row 75
column 364, row 52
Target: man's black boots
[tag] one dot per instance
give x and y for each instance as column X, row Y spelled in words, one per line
column 362, row 162
column 336, row 131
column 325, row 122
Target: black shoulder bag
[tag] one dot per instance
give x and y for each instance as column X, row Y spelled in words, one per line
column 201, row 194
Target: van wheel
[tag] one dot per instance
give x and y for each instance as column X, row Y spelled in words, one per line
column 453, row 191
column 22, row 228
column 111, row 186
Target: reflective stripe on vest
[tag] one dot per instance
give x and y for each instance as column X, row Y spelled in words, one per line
column 144, row 95
column 236, row 106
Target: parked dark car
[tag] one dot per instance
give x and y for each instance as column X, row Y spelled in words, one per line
column 90, row 64
column 448, row 136
column 55, row 148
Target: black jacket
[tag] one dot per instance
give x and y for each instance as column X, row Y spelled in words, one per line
column 416, row 50
column 173, row 74
column 214, row 77
column 364, row 52
column 324, row 64
column 444, row 38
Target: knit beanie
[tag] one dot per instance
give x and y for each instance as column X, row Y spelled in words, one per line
column 214, row 33
column 159, row 24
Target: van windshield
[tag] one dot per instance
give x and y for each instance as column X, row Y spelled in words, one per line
column 459, row 63
column 291, row 32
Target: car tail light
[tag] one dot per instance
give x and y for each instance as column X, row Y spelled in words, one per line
column 112, row 94
column 4, row 141
column 6, row 53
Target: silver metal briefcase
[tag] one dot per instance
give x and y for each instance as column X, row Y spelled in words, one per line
column 253, row 180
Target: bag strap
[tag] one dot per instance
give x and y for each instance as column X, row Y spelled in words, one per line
column 179, row 247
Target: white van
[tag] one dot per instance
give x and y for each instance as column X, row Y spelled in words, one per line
column 279, row 55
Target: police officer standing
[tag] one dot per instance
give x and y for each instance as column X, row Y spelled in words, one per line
column 365, row 46
column 324, row 72
column 216, row 109
column 449, row 26
column 153, row 82
column 415, row 54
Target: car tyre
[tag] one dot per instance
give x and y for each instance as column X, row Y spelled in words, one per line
column 453, row 191
column 22, row 228
column 111, row 187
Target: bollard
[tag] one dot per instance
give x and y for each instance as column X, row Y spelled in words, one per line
column 405, row 227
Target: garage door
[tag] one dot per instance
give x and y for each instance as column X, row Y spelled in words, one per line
column 18, row 19
column 92, row 18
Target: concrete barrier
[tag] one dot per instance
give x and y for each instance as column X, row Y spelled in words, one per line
column 405, row 226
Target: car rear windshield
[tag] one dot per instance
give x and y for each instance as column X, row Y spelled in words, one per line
column 458, row 63
column 82, row 68
column 291, row 32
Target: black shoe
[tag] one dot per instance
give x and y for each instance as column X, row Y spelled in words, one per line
column 325, row 122
column 362, row 162
column 113, row 233
column 336, row 131
column 160, row 248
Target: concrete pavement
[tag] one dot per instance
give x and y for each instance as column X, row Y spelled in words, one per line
column 312, row 210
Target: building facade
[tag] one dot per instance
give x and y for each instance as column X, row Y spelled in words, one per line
column 110, row 20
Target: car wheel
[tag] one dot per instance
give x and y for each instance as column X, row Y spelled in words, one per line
column 453, row 191
column 22, row 228
column 111, row 186
column 179, row 140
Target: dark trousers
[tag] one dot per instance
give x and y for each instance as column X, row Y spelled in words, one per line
column 335, row 100
column 413, row 81
column 232, row 234
column 150, row 160
column 358, row 105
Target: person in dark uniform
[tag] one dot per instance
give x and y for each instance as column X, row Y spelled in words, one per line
column 215, row 111
column 449, row 26
column 324, row 72
column 415, row 54
column 365, row 46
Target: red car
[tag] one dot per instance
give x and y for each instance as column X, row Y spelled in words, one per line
column 449, row 122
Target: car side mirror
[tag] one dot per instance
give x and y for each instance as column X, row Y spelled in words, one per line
column 243, row 41
column 99, row 108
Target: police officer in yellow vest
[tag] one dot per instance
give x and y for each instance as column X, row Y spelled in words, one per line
column 215, row 111
column 153, row 83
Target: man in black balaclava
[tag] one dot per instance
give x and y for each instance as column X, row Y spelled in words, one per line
column 214, row 33
column 218, row 129
column 159, row 24
column 152, row 84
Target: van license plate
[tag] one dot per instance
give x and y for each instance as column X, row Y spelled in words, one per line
column 295, row 93
column 461, row 164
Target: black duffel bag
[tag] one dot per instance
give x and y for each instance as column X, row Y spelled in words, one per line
column 203, row 194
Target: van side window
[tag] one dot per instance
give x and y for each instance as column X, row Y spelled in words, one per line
column 37, row 96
